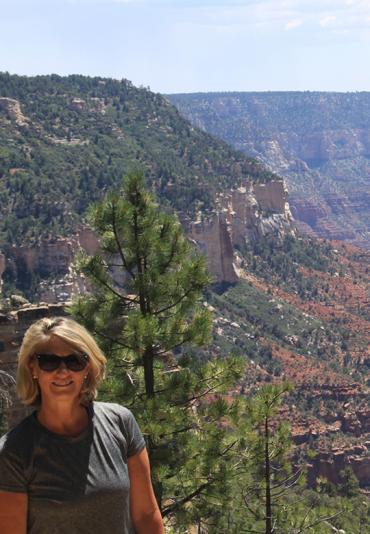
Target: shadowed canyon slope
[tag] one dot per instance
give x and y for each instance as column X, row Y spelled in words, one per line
column 320, row 142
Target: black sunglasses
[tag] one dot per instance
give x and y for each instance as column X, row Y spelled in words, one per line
column 51, row 362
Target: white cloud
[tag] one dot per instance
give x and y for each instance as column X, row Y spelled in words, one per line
column 291, row 24
column 327, row 21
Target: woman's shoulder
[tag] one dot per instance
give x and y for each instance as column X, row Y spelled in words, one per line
column 111, row 409
column 115, row 417
column 18, row 437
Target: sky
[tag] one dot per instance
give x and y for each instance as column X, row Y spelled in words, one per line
column 182, row 46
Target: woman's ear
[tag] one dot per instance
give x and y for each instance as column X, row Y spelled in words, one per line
column 33, row 368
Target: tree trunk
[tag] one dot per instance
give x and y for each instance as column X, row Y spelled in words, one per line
column 268, row 510
column 148, row 360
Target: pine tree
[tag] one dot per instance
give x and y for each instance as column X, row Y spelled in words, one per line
column 269, row 484
column 145, row 308
column 349, row 486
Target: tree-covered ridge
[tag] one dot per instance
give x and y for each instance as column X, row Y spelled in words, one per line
column 64, row 141
column 274, row 111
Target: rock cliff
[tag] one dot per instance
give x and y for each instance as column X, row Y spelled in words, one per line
column 51, row 262
column 243, row 215
column 319, row 142
column 329, row 464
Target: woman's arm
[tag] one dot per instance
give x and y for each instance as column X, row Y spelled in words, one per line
column 13, row 512
column 145, row 513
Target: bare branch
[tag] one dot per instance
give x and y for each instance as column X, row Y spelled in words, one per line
column 189, row 497
column 320, row 520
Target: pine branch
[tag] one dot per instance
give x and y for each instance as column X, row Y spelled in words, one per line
column 196, row 397
column 174, row 304
column 120, row 250
column 112, row 290
column 318, row 521
column 251, row 510
column 171, row 256
column 184, row 500
column 114, row 340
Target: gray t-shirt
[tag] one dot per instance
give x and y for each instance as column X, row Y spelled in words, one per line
column 74, row 485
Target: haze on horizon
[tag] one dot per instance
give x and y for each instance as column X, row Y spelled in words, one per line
column 177, row 46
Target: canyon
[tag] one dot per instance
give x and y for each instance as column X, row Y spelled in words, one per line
column 319, row 142
column 311, row 328
column 243, row 215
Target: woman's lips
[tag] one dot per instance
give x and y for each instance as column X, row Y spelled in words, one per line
column 62, row 385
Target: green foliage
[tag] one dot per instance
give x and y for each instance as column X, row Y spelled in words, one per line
column 161, row 279
column 267, row 458
column 147, row 281
column 76, row 136
column 349, row 485
column 268, row 494
column 285, row 260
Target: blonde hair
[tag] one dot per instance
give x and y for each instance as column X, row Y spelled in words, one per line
column 70, row 332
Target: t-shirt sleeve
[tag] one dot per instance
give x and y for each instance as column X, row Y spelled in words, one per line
column 12, row 472
column 135, row 439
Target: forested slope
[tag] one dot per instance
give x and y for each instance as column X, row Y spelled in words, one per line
column 66, row 140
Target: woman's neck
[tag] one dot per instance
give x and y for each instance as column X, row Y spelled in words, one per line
column 64, row 418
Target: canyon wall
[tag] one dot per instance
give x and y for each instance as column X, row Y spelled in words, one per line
column 50, row 262
column 328, row 176
column 329, row 464
column 319, row 142
column 242, row 215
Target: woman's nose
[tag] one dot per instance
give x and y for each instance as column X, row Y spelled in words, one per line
column 62, row 367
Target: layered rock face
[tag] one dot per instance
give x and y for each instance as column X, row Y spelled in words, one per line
column 244, row 215
column 329, row 464
column 319, row 142
column 329, row 461
column 52, row 260
column 328, row 175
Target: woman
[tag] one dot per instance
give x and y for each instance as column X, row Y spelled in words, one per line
column 74, row 465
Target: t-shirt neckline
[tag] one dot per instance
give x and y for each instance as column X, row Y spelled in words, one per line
column 71, row 439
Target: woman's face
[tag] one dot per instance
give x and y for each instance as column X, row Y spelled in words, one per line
column 62, row 384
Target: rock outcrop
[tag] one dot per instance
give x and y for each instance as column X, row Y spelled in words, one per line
column 2, row 268
column 319, row 142
column 13, row 108
column 356, row 422
column 243, row 215
column 52, row 261
column 213, row 239
column 329, row 464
